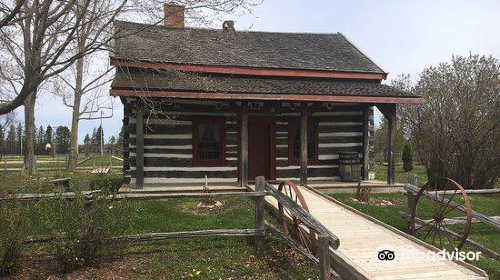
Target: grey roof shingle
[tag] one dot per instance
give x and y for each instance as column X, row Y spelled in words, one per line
column 195, row 82
column 327, row 52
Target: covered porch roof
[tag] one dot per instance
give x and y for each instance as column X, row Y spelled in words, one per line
column 181, row 84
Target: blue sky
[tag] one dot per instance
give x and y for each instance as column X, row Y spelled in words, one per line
column 401, row 36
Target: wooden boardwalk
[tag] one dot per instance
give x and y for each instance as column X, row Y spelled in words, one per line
column 360, row 235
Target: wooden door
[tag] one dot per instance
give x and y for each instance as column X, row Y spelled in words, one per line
column 261, row 148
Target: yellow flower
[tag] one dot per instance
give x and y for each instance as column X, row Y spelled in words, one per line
column 198, row 272
column 191, row 275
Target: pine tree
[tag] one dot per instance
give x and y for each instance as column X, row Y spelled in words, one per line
column 20, row 142
column 40, row 141
column 407, row 158
column 48, row 134
column 10, row 141
column 87, row 145
column 62, row 139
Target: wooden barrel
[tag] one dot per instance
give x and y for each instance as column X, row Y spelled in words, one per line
column 349, row 166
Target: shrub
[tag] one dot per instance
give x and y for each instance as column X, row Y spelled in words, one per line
column 407, row 158
column 14, row 221
column 82, row 228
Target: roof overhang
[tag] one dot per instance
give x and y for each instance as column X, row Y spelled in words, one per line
column 237, row 70
column 268, row 97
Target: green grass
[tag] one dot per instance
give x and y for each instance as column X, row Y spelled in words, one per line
column 401, row 175
column 485, row 235
column 59, row 162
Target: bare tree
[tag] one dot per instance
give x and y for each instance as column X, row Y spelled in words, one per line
column 457, row 130
column 43, row 43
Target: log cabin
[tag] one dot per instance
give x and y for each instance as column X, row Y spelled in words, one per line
column 222, row 106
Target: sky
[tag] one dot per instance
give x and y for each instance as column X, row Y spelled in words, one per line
column 403, row 37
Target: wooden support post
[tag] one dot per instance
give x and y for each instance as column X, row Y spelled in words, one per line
column 244, row 144
column 303, row 145
column 391, row 172
column 389, row 111
column 139, row 147
column 324, row 256
column 366, row 141
column 260, row 184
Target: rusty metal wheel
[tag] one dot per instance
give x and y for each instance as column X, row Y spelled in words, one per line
column 434, row 214
column 292, row 226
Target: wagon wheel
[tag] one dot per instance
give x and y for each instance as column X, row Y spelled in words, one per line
column 433, row 226
column 291, row 224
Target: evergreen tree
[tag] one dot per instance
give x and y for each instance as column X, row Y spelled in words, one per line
column 87, row 145
column 48, row 134
column 62, row 139
column 10, row 141
column 407, row 158
column 20, row 139
column 40, row 141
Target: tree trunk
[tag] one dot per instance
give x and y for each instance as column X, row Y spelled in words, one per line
column 29, row 168
column 73, row 138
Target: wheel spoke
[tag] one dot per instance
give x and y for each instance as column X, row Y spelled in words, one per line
column 439, row 232
column 430, row 229
column 447, row 237
column 424, row 225
column 456, row 206
column 448, row 203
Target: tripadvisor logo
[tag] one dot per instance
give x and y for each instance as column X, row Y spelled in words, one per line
column 387, row 255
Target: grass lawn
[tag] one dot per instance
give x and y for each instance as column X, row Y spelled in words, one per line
column 485, row 235
column 60, row 162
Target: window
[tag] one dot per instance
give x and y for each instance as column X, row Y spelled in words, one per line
column 294, row 142
column 209, row 143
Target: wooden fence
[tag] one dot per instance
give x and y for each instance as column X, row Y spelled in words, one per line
column 326, row 239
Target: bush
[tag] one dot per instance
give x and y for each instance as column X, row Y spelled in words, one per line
column 14, row 221
column 407, row 158
column 82, row 228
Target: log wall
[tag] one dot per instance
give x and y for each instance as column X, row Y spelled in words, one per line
column 168, row 142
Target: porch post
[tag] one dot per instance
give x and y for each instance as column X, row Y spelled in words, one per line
column 244, row 143
column 303, row 144
column 139, row 147
column 366, row 141
column 391, row 120
column 389, row 111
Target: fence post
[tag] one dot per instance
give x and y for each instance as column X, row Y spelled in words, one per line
column 412, row 180
column 324, row 256
column 260, row 183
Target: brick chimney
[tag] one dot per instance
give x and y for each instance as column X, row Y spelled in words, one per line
column 174, row 15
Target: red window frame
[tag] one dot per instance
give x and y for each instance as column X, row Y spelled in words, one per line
column 197, row 161
column 293, row 126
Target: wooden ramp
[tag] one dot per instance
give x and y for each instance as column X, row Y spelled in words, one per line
column 360, row 235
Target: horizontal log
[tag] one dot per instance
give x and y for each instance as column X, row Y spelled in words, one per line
column 129, row 196
column 463, row 220
column 161, row 236
column 292, row 244
column 191, row 174
column 431, row 195
column 299, row 212
column 189, row 234
column 454, row 235
column 484, row 191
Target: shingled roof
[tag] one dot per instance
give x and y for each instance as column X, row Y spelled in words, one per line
column 171, row 81
column 324, row 52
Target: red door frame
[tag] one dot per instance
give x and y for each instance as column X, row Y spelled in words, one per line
column 272, row 143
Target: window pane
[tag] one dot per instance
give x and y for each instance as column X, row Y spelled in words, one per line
column 209, row 146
